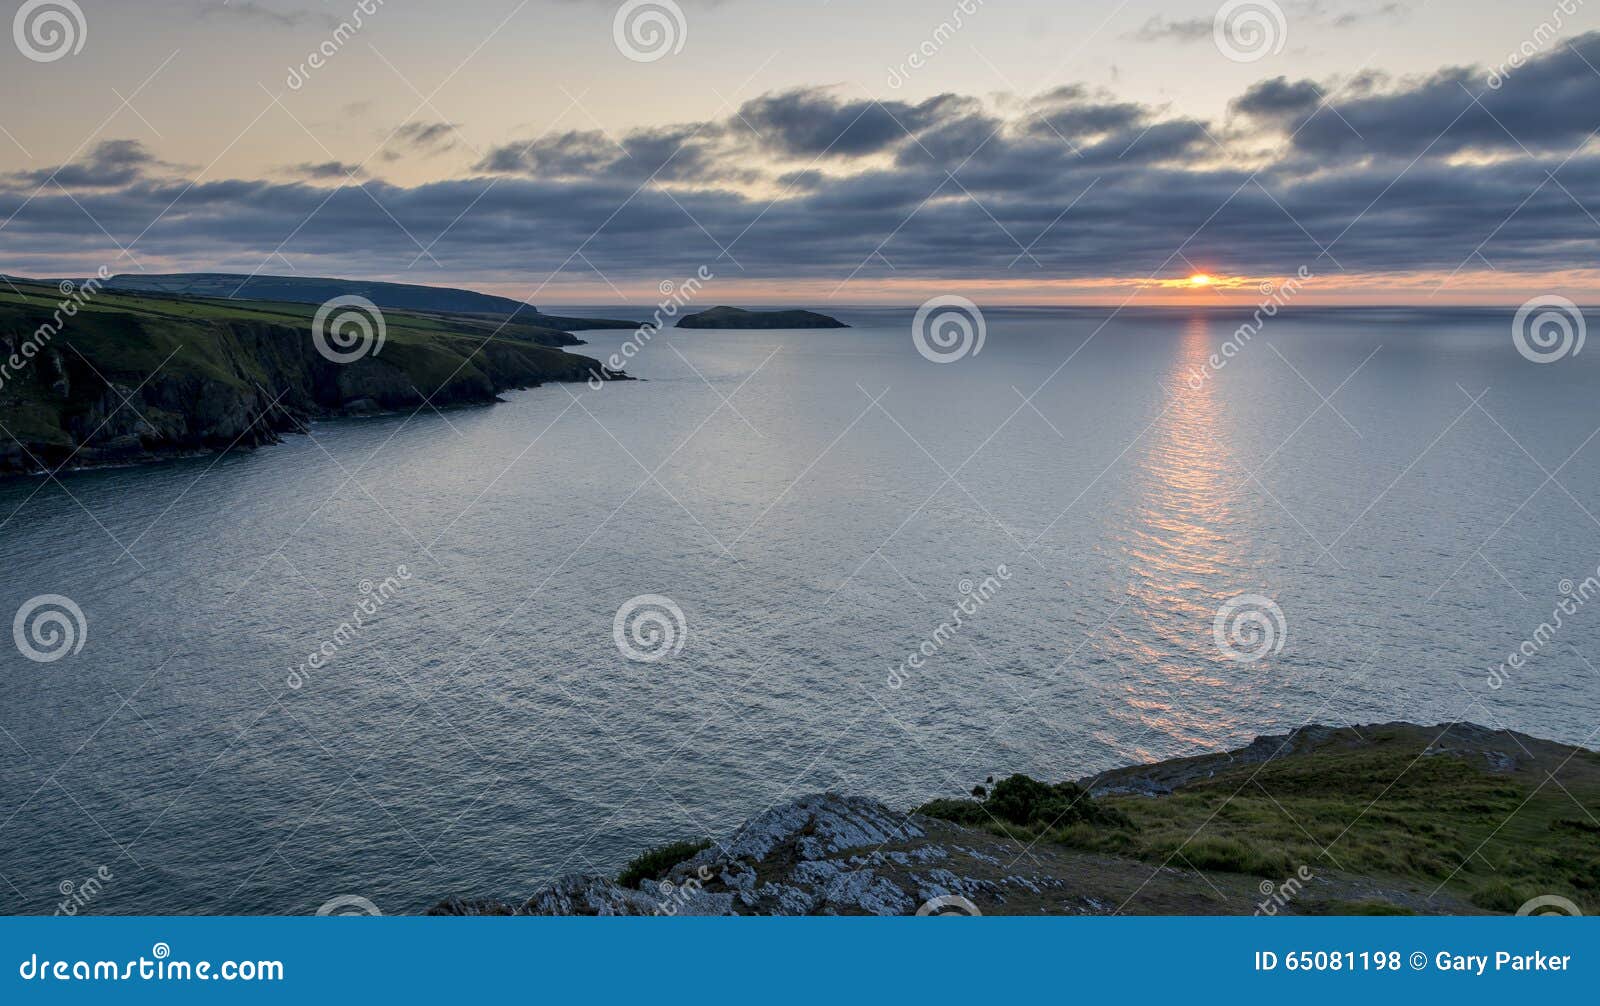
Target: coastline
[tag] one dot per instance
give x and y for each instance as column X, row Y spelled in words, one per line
column 833, row 854
column 273, row 431
column 136, row 380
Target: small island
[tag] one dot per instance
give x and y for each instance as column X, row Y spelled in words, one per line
column 736, row 318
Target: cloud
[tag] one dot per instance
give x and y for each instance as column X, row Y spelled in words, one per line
column 1307, row 13
column 247, row 10
column 811, row 123
column 1159, row 28
column 325, row 170
column 1367, row 175
column 1381, row 12
column 700, row 153
column 1546, row 106
column 427, row 137
column 110, row 163
column 1279, row 98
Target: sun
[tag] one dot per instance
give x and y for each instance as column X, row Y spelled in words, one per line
column 1200, row 279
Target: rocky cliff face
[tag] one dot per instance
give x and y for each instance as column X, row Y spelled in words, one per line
column 230, row 384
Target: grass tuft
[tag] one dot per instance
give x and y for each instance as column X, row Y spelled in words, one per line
column 656, row 863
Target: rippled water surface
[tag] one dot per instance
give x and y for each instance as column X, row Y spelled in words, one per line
column 814, row 503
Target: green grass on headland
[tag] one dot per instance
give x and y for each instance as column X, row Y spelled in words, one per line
column 654, row 863
column 202, row 375
column 1492, row 817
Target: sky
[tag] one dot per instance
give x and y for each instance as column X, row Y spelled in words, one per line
column 816, row 152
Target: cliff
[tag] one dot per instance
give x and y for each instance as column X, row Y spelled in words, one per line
column 129, row 378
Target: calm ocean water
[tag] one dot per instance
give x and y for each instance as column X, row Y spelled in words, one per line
column 814, row 503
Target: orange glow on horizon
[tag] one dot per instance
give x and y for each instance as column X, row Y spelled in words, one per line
column 1426, row 289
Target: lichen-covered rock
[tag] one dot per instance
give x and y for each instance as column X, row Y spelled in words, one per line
column 588, row 896
column 822, row 854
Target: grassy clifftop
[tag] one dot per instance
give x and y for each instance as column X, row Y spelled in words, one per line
column 1490, row 817
column 1391, row 819
column 135, row 376
column 408, row 297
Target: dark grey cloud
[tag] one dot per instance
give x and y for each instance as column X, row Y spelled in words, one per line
column 426, row 137
column 691, row 153
column 325, row 170
column 949, row 187
column 564, row 155
column 810, row 123
column 1279, row 99
column 1551, row 104
column 108, row 163
column 1089, row 119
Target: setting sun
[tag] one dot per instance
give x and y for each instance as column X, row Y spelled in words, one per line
column 1199, row 279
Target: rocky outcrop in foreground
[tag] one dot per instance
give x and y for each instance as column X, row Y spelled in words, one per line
column 1386, row 819
column 821, row 854
column 827, row 854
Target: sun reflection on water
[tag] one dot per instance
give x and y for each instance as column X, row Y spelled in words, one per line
column 1182, row 545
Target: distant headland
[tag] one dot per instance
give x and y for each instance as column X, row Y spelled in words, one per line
column 321, row 289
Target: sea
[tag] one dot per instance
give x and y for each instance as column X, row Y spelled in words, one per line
column 463, row 652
